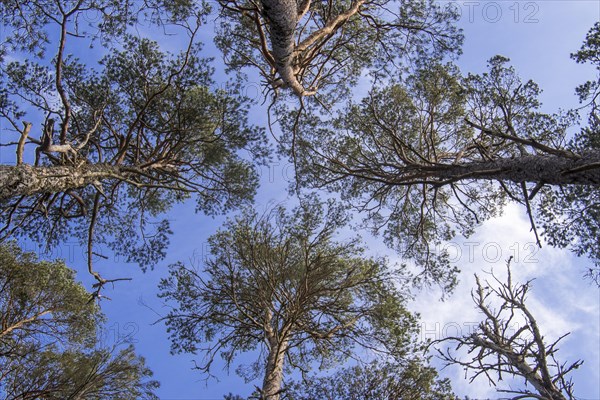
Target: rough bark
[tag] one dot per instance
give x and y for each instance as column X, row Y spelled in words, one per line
column 271, row 389
column 548, row 169
column 331, row 26
column 543, row 386
column 26, row 180
column 582, row 169
column 282, row 16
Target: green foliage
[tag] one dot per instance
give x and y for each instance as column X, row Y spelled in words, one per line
column 102, row 374
column 376, row 40
column 282, row 276
column 377, row 380
column 149, row 112
column 354, row 153
column 571, row 215
column 48, row 337
column 590, row 50
column 421, row 158
column 42, row 297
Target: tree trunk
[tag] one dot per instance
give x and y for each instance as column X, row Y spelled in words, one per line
column 26, row 180
column 548, row 169
column 544, row 169
column 533, row 377
column 274, row 370
column 283, row 18
column 547, row 389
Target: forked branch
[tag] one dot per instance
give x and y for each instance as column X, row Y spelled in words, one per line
column 499, row 346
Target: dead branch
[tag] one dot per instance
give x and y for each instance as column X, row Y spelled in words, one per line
column 499, row 346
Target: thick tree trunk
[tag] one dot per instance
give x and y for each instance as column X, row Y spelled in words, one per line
column 283, row 18
column 26, row 180
column 274, row 369
column 543, row 169
column 548, row 169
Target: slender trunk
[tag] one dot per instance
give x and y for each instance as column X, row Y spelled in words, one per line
column 26, row 180
column 274, row 369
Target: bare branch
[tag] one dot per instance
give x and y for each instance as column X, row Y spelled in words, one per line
column 496, row 347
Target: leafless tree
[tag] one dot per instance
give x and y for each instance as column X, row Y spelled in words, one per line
column 509, row 342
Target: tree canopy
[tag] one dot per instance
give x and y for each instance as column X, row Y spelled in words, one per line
column 409, row 379
column 106, row 132
column 435, row 153
column 104, row 145
column 323, row 47
column 49, row 345
column 279, row 284
column 579, row 205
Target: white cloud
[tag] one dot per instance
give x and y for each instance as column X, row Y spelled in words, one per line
column 561, row 299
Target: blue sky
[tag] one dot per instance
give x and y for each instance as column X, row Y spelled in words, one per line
column 538, row 38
